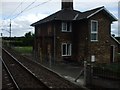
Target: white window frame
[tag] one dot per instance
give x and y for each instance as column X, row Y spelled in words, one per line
column 94, row 32
column 66, row 27
column 113, row 51
column 66, row 53
column 70, row 27
column 64, row 23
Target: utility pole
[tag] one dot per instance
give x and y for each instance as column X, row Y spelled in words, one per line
column 10, row 34
column 10, row 28
column 119, row 19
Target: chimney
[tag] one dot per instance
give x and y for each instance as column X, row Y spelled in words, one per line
column 67, row 4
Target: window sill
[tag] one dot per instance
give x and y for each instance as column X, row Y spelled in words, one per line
column 94, row 40
column 66, row 31
column 66, row 55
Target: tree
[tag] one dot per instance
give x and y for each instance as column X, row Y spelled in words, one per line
column 29, row 38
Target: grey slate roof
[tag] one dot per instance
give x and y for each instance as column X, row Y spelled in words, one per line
column 69, row 14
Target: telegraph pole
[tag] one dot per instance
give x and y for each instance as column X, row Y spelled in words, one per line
column 119, row 19
column 10, row 34
column 10, row 28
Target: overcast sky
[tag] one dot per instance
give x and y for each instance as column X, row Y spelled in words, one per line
column 21, row 16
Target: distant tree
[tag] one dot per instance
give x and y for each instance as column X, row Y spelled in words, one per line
column 28, row 35
column 28, row 40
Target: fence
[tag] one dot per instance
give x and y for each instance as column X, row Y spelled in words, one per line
column 106, row 73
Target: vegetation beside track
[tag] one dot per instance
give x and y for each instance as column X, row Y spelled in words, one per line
column 24, row 49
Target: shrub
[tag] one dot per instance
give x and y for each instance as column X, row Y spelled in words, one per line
column 118, row 57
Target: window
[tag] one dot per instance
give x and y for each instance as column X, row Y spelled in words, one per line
column 66, row 26
column 66, row 49
column 94, row 30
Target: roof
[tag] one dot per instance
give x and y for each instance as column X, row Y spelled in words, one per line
column 115, row 39
column 71, row 15
column 64, row 14
column 118, row 39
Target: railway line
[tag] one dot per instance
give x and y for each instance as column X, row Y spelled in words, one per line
column 50, row 79
column 8, row 81
column 21, row 77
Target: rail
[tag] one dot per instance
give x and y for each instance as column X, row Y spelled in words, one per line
column 24, row 67
column 15, row 83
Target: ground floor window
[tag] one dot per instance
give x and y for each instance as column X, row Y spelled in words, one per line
column 66, row 49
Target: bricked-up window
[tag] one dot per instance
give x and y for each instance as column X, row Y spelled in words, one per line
column 94, row 30
column 66, row 49
column 66, row 26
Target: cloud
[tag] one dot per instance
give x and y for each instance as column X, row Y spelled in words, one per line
column 21, row 24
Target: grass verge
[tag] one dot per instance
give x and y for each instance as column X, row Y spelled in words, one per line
column 24, row 50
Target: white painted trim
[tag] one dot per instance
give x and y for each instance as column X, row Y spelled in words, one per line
column 75, row 16
column 110, row 14
column 101, row 10
column 70, row 27
column 113, row 53
column 66, row 49
column 94, row 32
column 64, row 23
column 115, row 39
column 95, row 13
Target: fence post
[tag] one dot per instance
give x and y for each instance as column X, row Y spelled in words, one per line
column 85, row 65
column 87, row 74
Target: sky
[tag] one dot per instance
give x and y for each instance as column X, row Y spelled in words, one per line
column 23, row 13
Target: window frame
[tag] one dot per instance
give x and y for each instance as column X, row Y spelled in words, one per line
column 94, row 32
column 68, row 51
column 68, row 26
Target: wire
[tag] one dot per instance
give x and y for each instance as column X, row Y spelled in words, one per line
column 31, row 7
column 24, row 9
column 15, row 9
column 40, row 4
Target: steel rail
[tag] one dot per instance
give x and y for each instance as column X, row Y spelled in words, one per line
column 26, row 68
column 15, row 83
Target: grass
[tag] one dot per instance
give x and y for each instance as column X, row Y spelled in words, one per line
column 24, row 50
column 114, row 67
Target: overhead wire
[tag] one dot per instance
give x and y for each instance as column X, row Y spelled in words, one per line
column 25, row 9
column 40, row 4
column 15, row 9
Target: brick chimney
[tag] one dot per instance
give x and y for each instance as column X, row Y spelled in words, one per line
column 67, row 4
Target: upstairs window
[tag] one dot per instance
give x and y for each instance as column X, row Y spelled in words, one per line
column 94, row 30
column 66, row 49
column 66, row 26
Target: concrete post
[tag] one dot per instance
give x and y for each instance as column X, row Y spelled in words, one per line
column 0, row 63
column 87, row 74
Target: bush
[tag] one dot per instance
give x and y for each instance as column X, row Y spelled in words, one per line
column 118, row 57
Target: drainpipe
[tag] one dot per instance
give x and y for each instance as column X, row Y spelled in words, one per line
column 54, row 41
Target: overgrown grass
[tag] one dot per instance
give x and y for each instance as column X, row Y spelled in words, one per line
column 114, row 67
column 24, row 50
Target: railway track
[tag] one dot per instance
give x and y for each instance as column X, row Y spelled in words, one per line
column 8, row 81
column 48, row 77
column 23, row 77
